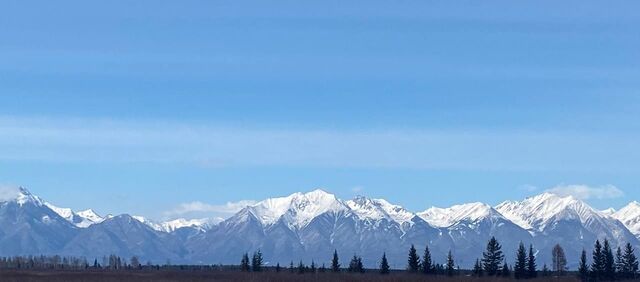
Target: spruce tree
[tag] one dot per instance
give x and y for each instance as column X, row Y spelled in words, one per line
column 477, row 269
column 335, row 263
column 520, row 267
column 427, row 264
column 413, row 262
column 450, row 264
column 360, row 265
column 583, row 267
column 384, row 264
column 291, row 268
column 620, row 267
column 532, row 272
column 609, row 262
column 313, row 267
column 353, row 264
column 492, row 257
column 256, row 261
column 545, row 270
column 630, row 262
column 505, row 272
column 301, row 268
column 278, row 267
column 244, row 263
column 597, row 265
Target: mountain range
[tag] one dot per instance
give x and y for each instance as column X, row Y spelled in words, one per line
column 309, row 226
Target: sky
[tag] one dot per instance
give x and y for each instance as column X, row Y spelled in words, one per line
column 184, row 108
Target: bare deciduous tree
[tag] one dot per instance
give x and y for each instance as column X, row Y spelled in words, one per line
column 559, row 259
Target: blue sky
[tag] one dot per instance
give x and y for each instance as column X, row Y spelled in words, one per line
column 146, row 107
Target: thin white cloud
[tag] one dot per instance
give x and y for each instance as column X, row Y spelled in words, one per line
column 200, row 207
column 117, row 141
column 585, row 192
column 8, row 192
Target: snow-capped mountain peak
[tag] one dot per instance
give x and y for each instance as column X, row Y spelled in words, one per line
column 535, row 212
column 90, row 215
column 81, row 219
column 376, row 209
column 445, row 217
column 202, row 223
column 19, row 195
column 298, row 209
column 65, row 213
column 630, row 217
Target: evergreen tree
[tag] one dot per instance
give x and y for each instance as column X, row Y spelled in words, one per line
column 450, row 264
column 505, row 272
column 313, row 267
column 322, row 269
column 597, row 265
column 384, row 264
column 353, row 265
column 427, row 264
column 583, row 267
column 360, row 266
column 291, row 268
column 492, row 257
column 520, row 267
column 335, row 264
column 531, row 264
column 95, row 263
column 278, row 267
column 620, row 269
column 413, row 263
column 244, row 263
column 609, row 263
column 256, row 261
column 301, row 268
column 630, row 262
column 559, row 260
column 477, row 269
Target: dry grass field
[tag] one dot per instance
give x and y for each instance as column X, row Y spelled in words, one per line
column 200, row 276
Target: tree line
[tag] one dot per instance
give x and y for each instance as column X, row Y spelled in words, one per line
column 604, row 266
column 106, row 263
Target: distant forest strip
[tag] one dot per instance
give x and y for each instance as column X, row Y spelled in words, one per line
column 605, row 266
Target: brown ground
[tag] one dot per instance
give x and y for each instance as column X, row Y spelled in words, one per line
column 198, row 276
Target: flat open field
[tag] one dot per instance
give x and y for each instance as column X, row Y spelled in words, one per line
column 197, row 276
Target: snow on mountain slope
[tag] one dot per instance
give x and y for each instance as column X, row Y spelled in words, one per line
column 609, row 211
column 28, row 226
column 630, row 217
column 90, row 216
column 65, row 213
column 202, row 223
column 154, row 225
column 20, row 196
column 445, row 217
column 377, row 209
column 81, row 219
column 535, row 213
column 297, row 209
